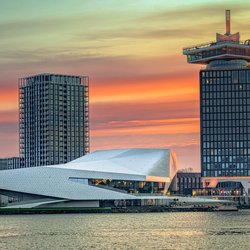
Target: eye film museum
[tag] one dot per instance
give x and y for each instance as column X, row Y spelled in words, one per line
column 102, row 178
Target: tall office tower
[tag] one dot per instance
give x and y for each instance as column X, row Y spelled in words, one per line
column 224, row 110
column 53, row 118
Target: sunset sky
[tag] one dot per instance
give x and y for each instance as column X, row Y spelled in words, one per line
column 142, row 91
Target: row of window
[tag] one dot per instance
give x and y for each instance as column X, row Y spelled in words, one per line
column 218, row 173
column 128, row 186
column 214, row 82
column 52, row 79
column 229, row 158
column 225, row 154
column 212, row 135
column 227, row 126
column 224, row 74
column 227, row 118
column 225, row 101
column 188, row 179
column 234, row 144
column 43, row 96
column 227, row 130
column 238, row 88
column 218, row 139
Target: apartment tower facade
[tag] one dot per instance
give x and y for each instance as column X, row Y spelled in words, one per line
column 53, row 118
column 224, row 110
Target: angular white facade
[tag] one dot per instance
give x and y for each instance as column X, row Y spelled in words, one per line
column 120, row 174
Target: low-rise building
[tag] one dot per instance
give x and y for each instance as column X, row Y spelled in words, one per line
column 10, row 163
column 187, row 182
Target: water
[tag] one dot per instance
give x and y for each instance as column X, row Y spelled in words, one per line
column 222, row 230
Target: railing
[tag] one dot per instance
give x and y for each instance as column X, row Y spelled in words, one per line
column 209, row 44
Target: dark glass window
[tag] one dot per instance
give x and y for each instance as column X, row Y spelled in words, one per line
column 225, row 120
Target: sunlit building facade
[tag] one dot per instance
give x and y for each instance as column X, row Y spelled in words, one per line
column 54, row 118
column 118, row 177
column 187, row 182
column 224, row 109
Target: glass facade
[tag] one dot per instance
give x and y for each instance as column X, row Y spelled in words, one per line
column 225, row 122
column 187, row 182
column 125, row 186
column 53, row 114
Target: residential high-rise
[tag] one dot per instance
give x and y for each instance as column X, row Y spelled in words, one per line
column 224, row 110
column 53, row 118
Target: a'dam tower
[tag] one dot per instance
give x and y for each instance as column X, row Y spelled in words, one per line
column 224, row 111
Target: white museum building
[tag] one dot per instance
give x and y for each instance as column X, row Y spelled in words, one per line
column 102, row 176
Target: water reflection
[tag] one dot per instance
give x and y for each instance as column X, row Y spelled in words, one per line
column 127, row 231
column 230, row 232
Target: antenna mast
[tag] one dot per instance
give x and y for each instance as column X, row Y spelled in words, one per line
column 227, row 22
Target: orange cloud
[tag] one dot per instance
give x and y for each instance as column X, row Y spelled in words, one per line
column 182, row 88
column 8, row 99
column 174, row 126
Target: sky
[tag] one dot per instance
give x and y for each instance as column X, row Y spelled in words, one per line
column 142, row 91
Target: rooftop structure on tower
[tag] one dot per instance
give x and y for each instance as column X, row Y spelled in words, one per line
column 224, row 112
column 226, row 47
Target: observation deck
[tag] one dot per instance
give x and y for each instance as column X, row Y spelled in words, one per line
column 221, row 50
column 226, row 47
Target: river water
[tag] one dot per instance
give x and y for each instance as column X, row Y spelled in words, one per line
column 179, row 230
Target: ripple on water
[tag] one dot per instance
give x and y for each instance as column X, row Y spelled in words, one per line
column 126, row 231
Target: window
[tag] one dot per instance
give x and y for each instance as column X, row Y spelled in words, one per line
column 235, row 76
